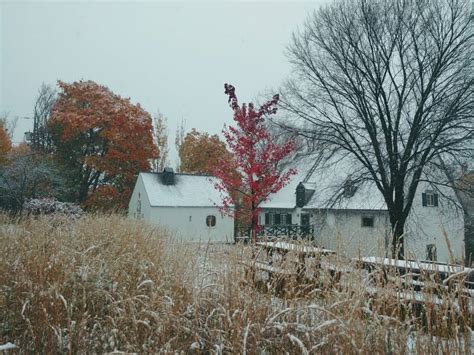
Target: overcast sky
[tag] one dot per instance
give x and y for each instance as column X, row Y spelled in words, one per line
column 171, row 56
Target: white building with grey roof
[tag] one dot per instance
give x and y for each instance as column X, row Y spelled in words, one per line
column 186, row 205
column 352, row 218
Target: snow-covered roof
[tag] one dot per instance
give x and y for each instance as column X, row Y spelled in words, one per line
column 187, row 191
column 326, row 180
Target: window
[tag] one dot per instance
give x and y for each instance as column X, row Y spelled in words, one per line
column 429, row 199
column 367, row 222
column 277, row 219
column 431, row 252
column 272, row 219
column 211, row 221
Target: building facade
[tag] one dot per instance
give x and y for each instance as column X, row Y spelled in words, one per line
column 353, row 219
column 186, row 205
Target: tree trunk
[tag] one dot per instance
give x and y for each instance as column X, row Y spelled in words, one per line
column 254, row 226
column 398, row 249
column 83, row 189
column 254, row 219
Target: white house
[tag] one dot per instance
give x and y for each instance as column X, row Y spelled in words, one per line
column 187, row 205
column 357, row 224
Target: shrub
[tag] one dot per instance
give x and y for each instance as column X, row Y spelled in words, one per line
column 49, row 206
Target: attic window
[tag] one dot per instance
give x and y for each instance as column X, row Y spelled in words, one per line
column 211, row 221
column 429, row 199
column 368, row 222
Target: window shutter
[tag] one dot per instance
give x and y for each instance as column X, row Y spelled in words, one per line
column 288, row 218
column 435, row 198
column 267, row 219
column 423, row 199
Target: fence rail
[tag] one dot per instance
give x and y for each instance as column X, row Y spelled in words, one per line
column 291, row 231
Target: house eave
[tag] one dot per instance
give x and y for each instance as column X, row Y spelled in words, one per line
column 328, row 209
column 278, row 208
column 346, row 209
column 210, row 206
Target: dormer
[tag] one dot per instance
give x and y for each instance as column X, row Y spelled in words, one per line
column 349, row 187
column 303, row 195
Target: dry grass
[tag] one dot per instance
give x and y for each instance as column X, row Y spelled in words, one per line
column 106, row 283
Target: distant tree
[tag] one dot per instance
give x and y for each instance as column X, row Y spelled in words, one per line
column 201, row 153
column 40, row 138
column 388, row 85
column 256, row 158
column 28, row 175
column 178, row 141
column 160, row 134
column 8, row 124
column 5, row 144
column 100, row 139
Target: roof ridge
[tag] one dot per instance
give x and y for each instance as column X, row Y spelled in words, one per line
column 180, row 174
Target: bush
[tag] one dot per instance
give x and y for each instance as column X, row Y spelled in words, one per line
column 49, row 206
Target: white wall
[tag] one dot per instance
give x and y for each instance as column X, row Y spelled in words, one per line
column 431, row 225
column 139, row 195
column 342, row 232
column 186, row 223
column 189, row 223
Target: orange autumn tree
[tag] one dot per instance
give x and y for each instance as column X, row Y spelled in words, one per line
column 5, row 144
column 102, row 141
column 199, row 153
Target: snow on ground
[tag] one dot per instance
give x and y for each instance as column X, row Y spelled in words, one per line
column 7, row 346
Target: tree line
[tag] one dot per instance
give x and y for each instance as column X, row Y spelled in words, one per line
column 88, row 146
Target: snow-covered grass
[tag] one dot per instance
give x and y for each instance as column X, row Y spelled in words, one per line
column 105, row 283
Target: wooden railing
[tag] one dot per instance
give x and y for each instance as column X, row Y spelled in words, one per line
column 291, row 231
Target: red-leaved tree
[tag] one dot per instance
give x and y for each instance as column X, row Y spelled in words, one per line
column 256, row 157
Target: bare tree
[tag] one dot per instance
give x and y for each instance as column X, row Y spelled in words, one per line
column 160, row 136
column 40, row 139
column 178, row 141
column 388, row 84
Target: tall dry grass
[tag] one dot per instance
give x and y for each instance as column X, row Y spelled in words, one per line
column 106, row 283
